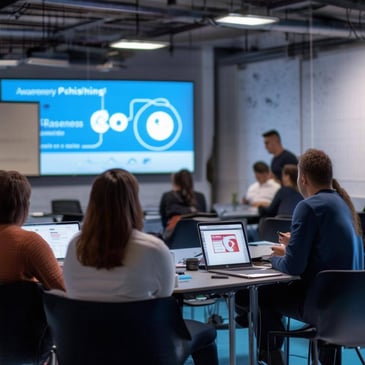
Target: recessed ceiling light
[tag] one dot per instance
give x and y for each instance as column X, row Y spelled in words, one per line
column 246, row 19
column 9, row 62
column 138, row 44
column 52, row 62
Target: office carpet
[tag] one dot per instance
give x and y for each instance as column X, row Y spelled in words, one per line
column 298, row 347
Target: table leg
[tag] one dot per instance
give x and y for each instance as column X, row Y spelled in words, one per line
column 231, row 328
column 252, row 323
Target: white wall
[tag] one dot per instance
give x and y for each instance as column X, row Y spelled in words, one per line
column 316, row 103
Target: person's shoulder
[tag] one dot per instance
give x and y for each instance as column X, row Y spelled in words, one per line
column 27, row 236
column 273, row 183
column 147, row 239
column 287, row 154
column 167, row 194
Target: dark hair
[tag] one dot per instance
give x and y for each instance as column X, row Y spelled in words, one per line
column 292, row 171
column 272, row 132
column 317, row 166
column 345, row 196
column 114, row 210
column 261, row 167
column 15, row 193
column 183, row 179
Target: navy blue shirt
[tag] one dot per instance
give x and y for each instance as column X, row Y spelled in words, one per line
column 283, row 203
column 323, row 237
column 278, row 162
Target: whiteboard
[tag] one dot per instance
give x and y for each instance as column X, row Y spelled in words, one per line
column 19, row 137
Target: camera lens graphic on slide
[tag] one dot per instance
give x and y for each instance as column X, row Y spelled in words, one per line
column 156, row 125
column 230, row 243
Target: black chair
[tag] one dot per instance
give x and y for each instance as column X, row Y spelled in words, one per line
column 69, row 209
column 185, row 233
column 269, row 226
column 145, row 332
column 334, row 312
column 24, row 335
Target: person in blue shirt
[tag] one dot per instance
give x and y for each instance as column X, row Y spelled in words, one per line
column 325, row 235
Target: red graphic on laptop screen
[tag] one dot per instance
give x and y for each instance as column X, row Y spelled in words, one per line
column 224, row 243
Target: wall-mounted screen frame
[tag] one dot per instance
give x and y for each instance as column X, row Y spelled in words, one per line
column 88, row 126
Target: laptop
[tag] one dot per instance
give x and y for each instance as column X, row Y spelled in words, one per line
column 56, row 234
column 181, row 254
column 225, row 250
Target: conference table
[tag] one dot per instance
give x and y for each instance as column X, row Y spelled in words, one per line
column 236, row 211
column 201, row 282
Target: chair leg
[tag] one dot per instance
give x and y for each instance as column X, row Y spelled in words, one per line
column 287, row 343
column 315, row 354
column 357, row 349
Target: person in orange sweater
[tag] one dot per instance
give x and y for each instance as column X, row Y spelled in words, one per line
column 24, row 255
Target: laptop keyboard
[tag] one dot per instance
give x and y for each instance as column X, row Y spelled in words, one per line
column 244, row 268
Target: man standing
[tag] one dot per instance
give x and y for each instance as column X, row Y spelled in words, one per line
column 281, row 157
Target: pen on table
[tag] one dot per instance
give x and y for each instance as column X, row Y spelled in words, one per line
column 219, row 277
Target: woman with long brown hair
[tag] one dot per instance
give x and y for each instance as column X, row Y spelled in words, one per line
column 112, row 259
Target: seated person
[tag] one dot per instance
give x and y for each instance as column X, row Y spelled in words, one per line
column 286, row 198
column 181, row 200
column 325, row 235
column 111, row 259
column 24, row 255
column 261, row 192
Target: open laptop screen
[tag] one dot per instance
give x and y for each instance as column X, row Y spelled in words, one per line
column 224, row 244
column 56, row 234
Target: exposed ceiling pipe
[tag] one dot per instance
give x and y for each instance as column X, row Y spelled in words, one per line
column 346, row 4
column 291, row 50
column 319, row 28
column 125, row 8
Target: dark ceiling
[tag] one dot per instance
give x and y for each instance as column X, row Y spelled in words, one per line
column 82, row 30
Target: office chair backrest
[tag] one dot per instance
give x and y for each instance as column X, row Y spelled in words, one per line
column 185, row 233
column 269, row 226
column 93, row 333
column 23, row 325
column 335, row 306
column 70, row 209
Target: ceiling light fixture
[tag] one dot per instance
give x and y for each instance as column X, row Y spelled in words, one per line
column 52, row 62
column 9, row 62
column 138, row 44
column 236, row 19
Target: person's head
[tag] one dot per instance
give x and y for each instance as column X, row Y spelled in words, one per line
column 114, row 210
column 15, row 193
column 183, row 183
column 262, row 171
column 272, row 141
column 290, row 175
column 183, row 180
column 314, row 172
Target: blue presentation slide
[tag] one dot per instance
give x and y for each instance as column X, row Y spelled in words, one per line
column 89, row 126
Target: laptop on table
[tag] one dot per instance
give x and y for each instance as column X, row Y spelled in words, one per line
column 225, row 250
column 57, row 234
